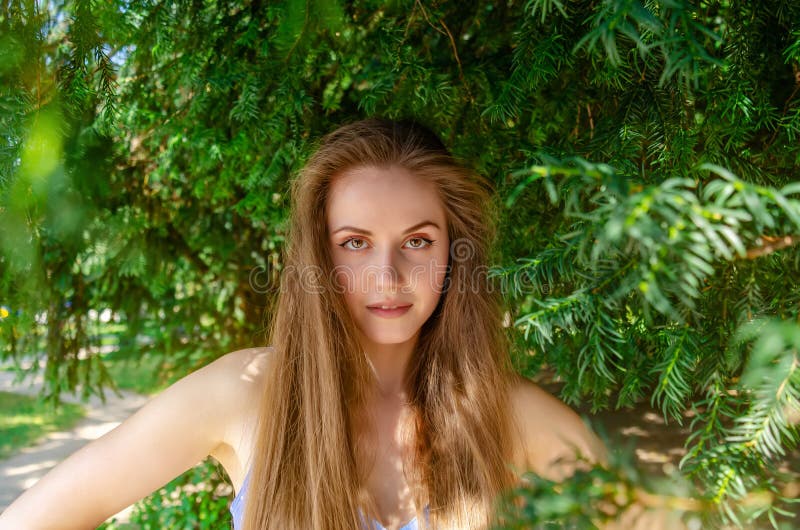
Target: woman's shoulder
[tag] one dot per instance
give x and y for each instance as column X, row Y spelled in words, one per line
column 551, row 438
column 237, row 373
column 241, row 374
column 248, row 364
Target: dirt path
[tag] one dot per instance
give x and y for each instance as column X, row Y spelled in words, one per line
column 24, row 469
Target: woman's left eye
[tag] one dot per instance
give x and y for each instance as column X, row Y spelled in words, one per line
column 428, row 242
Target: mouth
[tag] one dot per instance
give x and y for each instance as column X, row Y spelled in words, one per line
column 389, row 311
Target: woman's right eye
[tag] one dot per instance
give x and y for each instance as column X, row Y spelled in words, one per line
column 357, row 247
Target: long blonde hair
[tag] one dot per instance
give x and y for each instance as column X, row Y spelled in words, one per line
column 308, row 471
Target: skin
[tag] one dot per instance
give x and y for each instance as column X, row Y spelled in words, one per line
column 212, row 411
column 391, row 263
column 381, row 253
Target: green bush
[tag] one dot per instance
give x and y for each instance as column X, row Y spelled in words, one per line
column 198, row 499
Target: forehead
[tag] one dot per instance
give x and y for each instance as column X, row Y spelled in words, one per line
column 371, row 197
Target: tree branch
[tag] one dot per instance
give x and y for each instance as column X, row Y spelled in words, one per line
column 449, row 35
column 772, row 244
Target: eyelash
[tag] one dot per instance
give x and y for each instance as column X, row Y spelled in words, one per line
column 429, row 243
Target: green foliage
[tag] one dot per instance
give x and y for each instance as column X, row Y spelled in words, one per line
column 145, row 374
column 641, row 270
column 593, row 498
column 197, row 499
column 644, row 155
column 762, row 430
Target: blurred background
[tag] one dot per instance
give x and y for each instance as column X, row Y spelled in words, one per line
column 645, row 161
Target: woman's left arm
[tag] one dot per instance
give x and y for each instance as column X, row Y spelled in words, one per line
column 553, row 440
column 555, row 443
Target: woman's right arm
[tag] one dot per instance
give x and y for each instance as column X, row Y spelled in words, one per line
column 170, row 434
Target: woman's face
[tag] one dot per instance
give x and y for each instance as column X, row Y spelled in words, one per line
column 388, row 239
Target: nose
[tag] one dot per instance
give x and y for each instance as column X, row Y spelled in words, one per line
column 387, row 274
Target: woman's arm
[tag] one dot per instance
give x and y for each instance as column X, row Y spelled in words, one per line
column 553, row 438
column 555, row 443
column 170, row 434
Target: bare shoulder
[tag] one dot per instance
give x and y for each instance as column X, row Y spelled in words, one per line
column 171, row 433
column 242, row 373
column 552, row 438
column 234, row 377
column 246, row 367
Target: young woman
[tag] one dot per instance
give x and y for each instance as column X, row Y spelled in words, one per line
column 385, row 400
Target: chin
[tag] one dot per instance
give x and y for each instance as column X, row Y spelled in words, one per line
column 391, row 337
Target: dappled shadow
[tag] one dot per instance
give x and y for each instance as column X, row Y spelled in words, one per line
column 657, row 444
column 25, row 468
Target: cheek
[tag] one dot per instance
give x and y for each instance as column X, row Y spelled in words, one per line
column 435, row 272
column 342, row 278
column 438, row 278
column 345, row 285
column 346, row 279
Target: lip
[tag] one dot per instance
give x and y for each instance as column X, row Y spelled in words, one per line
column 389, row 303
column 390, row 313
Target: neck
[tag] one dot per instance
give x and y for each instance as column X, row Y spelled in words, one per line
column 389, row 365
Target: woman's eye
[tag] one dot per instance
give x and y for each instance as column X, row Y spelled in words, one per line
column 355, row 243
column 421, row 242
column 356, row 247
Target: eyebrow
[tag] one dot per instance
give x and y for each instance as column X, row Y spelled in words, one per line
column 368, row 233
